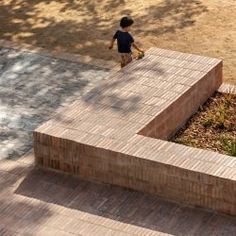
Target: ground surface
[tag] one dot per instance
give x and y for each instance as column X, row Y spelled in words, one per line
column 195, row 26
column 34, row 202
column 213, row 127
column 32, row 87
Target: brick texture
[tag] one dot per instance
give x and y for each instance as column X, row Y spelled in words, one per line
column 116, row 133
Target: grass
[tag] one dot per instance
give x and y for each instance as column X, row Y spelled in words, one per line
column 213, row 127
column 228, row 145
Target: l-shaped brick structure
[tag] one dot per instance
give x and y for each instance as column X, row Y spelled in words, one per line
column 117, row 132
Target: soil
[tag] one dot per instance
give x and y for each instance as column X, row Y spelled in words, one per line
column 213, row 127
column 85, row 27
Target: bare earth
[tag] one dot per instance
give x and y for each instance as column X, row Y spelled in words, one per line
column 85, row 27
column 213, row 127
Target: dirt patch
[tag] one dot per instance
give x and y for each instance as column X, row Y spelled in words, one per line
column 213, row 127
column 85, row 27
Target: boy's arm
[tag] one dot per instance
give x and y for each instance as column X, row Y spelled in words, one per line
column 112, row 43
column 137, row 48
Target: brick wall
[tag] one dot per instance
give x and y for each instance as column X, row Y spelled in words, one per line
column 180, row 110
column 147, row 174
column 112, row 139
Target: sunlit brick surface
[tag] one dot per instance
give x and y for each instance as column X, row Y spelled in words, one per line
column 108, row 134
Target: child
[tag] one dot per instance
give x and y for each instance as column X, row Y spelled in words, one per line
column 125, row 41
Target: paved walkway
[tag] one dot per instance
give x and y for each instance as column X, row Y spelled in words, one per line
column 32, row 88
column 34, row 202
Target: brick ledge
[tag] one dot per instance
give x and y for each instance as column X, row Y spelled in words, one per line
column 227, row 88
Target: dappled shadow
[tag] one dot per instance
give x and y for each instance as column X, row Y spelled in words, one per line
column 170, row 16
column 121, row 92
column 85, row 27
column 18, row 213
column 110, row 95
column 32, row 87
column 22, row 216
column 124, row 205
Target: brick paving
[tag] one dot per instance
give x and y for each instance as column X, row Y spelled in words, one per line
column 115, row 133
column 37, row 202
column 32, row 87
column 227, row 88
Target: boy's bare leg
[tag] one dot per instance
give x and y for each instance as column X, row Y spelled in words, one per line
column 126, row 58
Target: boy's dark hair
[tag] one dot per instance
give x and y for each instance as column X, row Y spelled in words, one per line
column 125, row 22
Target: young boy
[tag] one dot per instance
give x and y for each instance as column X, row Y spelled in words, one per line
column 125, row 41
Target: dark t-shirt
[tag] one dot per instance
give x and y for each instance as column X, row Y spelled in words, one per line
column 124, row 41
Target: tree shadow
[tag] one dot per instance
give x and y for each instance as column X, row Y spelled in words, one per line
column 109, row 94
column 86, row 27
column 32, row 88
column 171, row 16
column 124, row 205
column 120, row 93
column 18, row 214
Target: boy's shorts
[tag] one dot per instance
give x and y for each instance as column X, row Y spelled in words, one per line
column 125, row 58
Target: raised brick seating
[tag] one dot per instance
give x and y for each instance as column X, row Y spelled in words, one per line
column 116, row 133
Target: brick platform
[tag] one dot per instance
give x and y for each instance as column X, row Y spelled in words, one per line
column 108, row 136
